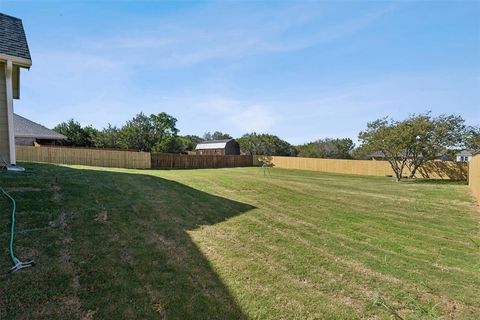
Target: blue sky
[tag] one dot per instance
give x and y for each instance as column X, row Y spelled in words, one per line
column 301, row 70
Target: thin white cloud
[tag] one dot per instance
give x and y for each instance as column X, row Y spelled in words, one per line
column 241, row 116
column 173, row 44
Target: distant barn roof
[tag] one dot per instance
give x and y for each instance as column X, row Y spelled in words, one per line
column 25, row 128
column 12, row 38
column 212, row 144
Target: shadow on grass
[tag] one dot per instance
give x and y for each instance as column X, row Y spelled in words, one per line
column 113, row 245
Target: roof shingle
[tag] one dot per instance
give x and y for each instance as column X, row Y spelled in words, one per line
column 25, row 128
column 212, row 144
column 13, row 41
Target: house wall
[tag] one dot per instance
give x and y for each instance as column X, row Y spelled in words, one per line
column 25, row 141
column 16, row 82
column 459, row 158
column 4, row 139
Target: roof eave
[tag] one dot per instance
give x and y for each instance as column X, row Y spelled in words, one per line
column 22, row 62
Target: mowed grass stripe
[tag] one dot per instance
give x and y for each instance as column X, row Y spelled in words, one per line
column 384, row 231
column 432, row 227
column 257, row 255
column 233, row 243
column 370, row 239
column 387, row 267
column 388, row 209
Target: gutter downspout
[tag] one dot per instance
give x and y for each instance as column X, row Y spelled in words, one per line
column 11, row 129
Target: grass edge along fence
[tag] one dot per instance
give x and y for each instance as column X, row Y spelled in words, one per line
column 474, row 176
column 381, row 168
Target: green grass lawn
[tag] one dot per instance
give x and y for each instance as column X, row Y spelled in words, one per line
column 233, row 243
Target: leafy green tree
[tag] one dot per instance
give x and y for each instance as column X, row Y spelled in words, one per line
column 386, row 136
column 144, row 133
column 217, row 135
column 472, row 138
column 137, row 133
column 189, row 142
column 265, row 144
column 93, row 134
column 75, row 134
column 108, row 137
column 169, row 144
column 432, row 136
column 327, row 148
column 411, row 142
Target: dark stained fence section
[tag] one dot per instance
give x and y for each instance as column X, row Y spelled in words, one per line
column 183, row 161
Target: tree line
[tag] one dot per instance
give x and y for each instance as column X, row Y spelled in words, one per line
column 405, row 144
column 159, row 133
column 154, row 133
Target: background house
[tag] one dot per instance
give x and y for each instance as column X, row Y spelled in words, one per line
column 14, row 54
column 29, row 133
column 379, row 155
column 464, row 155
column 218, row 147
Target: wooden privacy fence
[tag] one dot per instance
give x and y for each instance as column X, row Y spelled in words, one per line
column 145, row 160
column 128, row 159
column 84, row 156
column 183, row 161
column 432, row 170
column 474, row 176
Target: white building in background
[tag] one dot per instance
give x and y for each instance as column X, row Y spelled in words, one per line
column 464, row 156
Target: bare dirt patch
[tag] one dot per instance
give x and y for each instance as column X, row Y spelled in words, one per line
column 102, row 216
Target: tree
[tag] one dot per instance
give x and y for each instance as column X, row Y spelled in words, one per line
column 108, row 137
column 75, row 134
column 472, row 138
column 411, row 142
column 169, row 144
column 432, row 136
column 386, row 136
column 327, row 148
column 189, row 142
column 144, row 133
column 265, row 144
column 217, row 135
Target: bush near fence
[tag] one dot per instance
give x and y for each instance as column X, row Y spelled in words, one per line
column 474, row 176
column 184, row 161
column 431, row 170
column 84, row 156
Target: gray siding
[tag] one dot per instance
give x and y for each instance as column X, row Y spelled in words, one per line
column 4, row 143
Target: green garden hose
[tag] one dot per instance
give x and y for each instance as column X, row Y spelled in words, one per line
column 17, row 263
